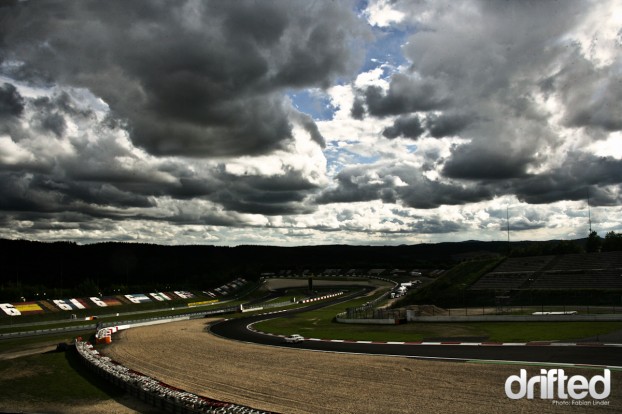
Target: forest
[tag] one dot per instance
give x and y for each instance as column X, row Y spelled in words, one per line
column 70, row 269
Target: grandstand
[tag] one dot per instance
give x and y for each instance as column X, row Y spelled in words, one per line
column 570, row 271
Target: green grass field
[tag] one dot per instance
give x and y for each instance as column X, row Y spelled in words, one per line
column 54, row 381
column 53, row 376
column 15, row 344
column 320, row 324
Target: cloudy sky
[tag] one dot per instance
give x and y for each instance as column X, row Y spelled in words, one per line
column 296, row 122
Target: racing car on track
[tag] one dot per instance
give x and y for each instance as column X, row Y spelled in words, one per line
column 293, row 339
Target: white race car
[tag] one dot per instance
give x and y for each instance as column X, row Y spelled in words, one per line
column 293, row 339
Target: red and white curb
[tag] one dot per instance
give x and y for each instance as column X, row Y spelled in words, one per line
column 427, row 343
column 320, row 298
column 455, row 343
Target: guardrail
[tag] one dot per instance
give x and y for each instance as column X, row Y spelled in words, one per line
column 39, row 332
column 93, row 326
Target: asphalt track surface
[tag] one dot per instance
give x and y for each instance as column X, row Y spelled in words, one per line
column 611, row 356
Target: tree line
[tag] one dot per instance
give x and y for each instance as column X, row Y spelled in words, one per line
column 66, row 269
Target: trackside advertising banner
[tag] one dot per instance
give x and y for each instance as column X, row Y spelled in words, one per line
column 29, row 308
column 183, row 294
column 21, row 308
column 71, row 304
column 93, row 302
column 138, row 298
column 105, row 301
column 160, row 297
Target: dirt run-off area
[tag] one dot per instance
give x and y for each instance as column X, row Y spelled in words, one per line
column 288, row 380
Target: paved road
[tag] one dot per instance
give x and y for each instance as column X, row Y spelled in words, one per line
column 591, row 355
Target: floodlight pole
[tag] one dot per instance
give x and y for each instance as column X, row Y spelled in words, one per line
column 507, row 220
column 589, row 214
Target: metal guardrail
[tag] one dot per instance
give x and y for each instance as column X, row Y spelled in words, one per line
column 39, row 332
column 49, row 331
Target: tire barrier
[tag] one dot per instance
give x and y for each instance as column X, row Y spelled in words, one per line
column 104, row 335
column 156, row 393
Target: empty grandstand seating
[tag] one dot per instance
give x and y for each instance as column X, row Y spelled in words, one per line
column 502, row 280
column 579, row 279
column 570, row 271
column 524, row 264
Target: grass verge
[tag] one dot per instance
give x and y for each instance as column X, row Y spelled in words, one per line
column 56, row 382
column 51, row 377
column 319, row 324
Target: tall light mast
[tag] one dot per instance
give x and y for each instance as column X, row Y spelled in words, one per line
column 507, row 220
column 589, row 214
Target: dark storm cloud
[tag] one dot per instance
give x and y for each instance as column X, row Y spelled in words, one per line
column 405, row 126
column 265, row 195
column 479, row 162
column 405, row 95
column 429, row 194
column 447, row 124
column 436, row 226
column 580, row 175
column 311, row 127
column 414, row 190
column 49, row 113
column 421, row 225
column 191, row 78
column 11, row 102
column 592, row 96
column 479, row 73
column 358, row 109
column 43, row 193
column 61, row 103
column 54, row 123
column 94, row 171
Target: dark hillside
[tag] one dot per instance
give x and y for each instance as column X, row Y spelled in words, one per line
column 66, row 265
column 72, row 268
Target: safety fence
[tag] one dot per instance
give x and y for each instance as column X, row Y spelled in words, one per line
column 48, row 331
column 371, row 315
column 164, row 397
column 100, row 325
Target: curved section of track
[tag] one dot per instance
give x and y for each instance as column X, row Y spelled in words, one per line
column 611, row 356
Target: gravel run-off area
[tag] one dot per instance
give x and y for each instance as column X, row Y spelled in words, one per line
column 184, row 355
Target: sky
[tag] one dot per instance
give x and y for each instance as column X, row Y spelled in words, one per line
column 303, row 123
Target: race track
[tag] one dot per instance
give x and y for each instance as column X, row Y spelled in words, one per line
column 291, row 379
column 585, row 355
